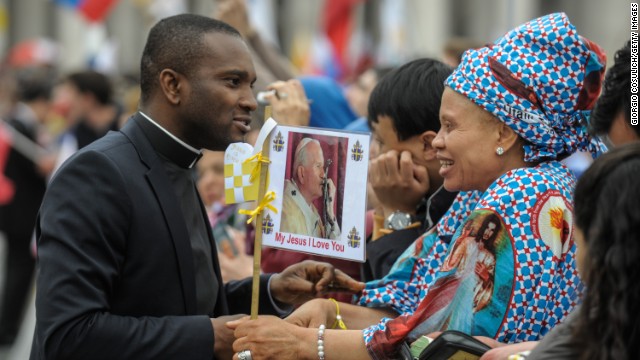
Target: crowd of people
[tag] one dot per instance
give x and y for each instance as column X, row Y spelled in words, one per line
column 474, row 221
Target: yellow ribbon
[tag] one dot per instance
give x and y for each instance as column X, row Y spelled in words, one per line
column 338, row 323
column 256, row 170
column 265, row 203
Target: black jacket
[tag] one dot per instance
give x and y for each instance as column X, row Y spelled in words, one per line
column 116, row 277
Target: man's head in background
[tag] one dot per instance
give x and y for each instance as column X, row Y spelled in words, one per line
column 82, row 92
column 611, row 117
column 404, row 111
column 34, row 88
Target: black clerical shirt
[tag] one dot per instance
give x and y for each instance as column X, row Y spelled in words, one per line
column 178, row 159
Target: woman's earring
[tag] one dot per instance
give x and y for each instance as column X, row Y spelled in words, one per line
column 500, row 150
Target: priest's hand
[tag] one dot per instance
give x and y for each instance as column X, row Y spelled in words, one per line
column 310, row 279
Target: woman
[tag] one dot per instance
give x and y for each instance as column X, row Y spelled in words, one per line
column 509, row 112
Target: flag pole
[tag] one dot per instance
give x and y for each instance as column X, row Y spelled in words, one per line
column 257, row 244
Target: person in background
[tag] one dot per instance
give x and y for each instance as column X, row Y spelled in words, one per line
column 28, row 176
column 612, row 114
column 403, row 114
column 358, row 93
column 611, row 118
column 91, row 109
column 128, row 266
column 503, row 129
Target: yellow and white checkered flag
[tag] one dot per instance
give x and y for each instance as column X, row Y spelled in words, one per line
column 238, row 184
column 242, row 168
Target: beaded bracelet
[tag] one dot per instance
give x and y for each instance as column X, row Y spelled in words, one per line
column 338, row 323
column 321, row 342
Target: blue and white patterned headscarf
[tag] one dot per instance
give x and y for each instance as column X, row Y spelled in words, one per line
column 541, row 79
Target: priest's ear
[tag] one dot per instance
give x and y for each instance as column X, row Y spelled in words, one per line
column 170, row 84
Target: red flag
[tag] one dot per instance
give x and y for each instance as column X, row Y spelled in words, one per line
column 95, row 10
column 338, row 25
column 6, row 186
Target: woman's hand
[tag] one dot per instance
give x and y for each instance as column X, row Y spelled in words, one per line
column 269, row 337
column 313, row 313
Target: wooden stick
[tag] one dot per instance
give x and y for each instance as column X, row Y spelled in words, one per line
column 257, row 244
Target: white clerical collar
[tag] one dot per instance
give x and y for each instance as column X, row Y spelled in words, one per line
column 196, row 152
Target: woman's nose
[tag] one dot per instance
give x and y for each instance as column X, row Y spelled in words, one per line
column 438, row 141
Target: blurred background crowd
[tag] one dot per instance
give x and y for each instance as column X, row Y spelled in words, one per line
column 341, row 39
column 69, row 74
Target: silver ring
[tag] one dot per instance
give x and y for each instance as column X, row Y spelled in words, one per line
column 245, row 355
column 282, row 95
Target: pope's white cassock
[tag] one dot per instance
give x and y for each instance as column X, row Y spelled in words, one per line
column 299, row 217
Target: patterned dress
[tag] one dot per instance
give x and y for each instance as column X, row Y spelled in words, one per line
column 514, row 285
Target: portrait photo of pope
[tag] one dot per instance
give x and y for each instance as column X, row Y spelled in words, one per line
column 314, row 185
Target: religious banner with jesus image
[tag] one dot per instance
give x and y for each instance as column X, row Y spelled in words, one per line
column 475, row 283
column 471, row 292
column 319, row 179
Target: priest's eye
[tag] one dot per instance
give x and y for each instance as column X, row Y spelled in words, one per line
column 233, row 81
